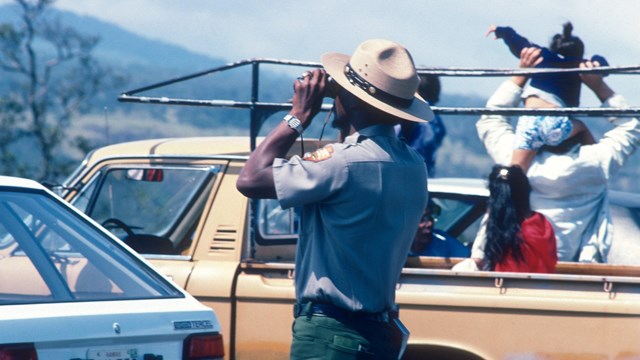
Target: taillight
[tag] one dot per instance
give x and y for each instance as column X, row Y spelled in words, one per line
column 202, row 346
column 18, row 352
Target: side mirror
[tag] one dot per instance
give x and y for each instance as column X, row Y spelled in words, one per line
column 54, row 187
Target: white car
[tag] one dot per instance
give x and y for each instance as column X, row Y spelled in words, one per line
column 71, row 290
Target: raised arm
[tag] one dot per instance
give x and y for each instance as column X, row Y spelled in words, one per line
column 495, row 131
column 619, row 143
column 256, row 177
column 511, row 38
column 530, row 57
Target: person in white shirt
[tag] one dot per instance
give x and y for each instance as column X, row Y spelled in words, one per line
column 569, row 181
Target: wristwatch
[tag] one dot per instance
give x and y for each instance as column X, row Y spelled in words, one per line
column 294, row 123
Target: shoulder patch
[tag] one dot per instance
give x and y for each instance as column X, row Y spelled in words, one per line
column 320, row 154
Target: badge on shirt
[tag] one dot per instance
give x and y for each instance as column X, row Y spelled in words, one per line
column 319, row 155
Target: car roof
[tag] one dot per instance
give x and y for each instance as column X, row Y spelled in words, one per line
column 197, row 146
column 240, row 145
column 192, row 147
column 463, row 186
column 478, row 187
column 20, row 183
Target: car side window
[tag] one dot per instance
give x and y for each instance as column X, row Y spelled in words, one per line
column 31, row 284
column 50, row 255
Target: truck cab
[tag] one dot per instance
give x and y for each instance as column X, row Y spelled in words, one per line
column 175, row 202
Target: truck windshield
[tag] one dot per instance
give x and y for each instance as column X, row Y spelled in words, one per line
column 142, row 200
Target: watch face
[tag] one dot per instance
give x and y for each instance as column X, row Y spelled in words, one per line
column 294, row 123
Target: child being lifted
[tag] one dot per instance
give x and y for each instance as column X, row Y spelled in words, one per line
column 548, row 91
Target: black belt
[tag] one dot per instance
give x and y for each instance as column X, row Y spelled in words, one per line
column 332, row 311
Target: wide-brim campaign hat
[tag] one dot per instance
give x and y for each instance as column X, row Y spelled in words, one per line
column 382, row 74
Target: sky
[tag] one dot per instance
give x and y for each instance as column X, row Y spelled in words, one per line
column 438, row 33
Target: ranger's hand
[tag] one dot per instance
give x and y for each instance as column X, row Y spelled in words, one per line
column 308, row 92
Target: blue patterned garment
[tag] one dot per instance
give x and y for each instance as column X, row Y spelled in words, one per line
column 426, row 138
column 532, row 132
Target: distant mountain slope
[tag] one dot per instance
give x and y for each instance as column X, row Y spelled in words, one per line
column 141, row 62
column 120, row 47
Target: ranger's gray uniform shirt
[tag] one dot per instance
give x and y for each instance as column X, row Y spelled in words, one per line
column 361, row 203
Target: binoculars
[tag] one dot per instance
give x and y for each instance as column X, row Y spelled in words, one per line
column 331, row 89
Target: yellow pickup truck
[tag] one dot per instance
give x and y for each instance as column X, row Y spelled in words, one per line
column 175, row 202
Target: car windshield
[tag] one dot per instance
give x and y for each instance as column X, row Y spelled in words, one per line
column 49, row 253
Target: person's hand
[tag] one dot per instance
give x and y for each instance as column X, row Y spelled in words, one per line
column 308, row 92
column 529, row 57
column 492, row 30
column 590, row 79
column 467, row 265
column 595, row 81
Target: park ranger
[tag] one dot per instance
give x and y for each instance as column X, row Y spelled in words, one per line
column 361, row 200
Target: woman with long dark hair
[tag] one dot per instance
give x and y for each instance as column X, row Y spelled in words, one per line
column 518, row 238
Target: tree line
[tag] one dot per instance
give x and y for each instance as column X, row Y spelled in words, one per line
column 50, row 74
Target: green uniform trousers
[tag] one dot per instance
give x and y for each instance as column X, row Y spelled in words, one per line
column 322, row 337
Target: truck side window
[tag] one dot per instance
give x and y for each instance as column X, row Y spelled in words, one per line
column 274, row 223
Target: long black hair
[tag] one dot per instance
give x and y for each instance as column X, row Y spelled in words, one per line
column 508, row 207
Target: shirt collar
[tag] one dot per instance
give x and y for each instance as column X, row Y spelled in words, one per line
column 370, row 131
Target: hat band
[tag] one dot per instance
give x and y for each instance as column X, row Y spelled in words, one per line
column 373, row 91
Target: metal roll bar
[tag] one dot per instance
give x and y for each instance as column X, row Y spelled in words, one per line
column 260, row 111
